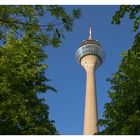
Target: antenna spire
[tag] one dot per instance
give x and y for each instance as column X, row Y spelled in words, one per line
column 90, row 33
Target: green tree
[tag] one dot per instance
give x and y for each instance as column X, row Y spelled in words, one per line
column 22, row 65
column 28, row 20
column 122, row 114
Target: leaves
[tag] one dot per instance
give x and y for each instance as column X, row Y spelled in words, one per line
column 132, row 10
column 76, row 13
column 26, row 20
column 23, row 37
column 22, row 77
column 121, row 115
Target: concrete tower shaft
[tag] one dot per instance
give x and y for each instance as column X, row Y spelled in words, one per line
column 90, row 56
column 89, row 63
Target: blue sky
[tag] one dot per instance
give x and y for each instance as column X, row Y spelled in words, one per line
column 68, row 77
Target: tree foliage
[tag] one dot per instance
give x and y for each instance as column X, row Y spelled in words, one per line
column 22, row 65
column 122, row 114
column 132, row 11
column 28, row 20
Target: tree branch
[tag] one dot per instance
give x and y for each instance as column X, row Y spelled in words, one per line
column 14, row 30
column 23, row 23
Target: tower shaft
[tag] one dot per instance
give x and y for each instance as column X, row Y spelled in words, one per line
column 90, row 115
column 90, row 56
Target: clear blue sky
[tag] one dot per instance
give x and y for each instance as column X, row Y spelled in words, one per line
column 68, row 77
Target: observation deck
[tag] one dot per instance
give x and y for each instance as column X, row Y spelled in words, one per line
column 90, row 47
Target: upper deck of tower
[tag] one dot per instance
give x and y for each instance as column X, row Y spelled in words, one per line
column 90, row 47
column 90, row 39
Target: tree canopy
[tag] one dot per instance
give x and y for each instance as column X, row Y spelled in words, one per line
column 23, row 38
column 122, row 113
column 44, row 25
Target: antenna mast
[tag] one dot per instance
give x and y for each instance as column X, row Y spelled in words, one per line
column 90, row 33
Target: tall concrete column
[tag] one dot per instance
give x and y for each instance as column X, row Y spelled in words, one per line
column 90, row 56
column 90, row 115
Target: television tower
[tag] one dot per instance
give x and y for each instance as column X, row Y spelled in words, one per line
column 90, row 56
